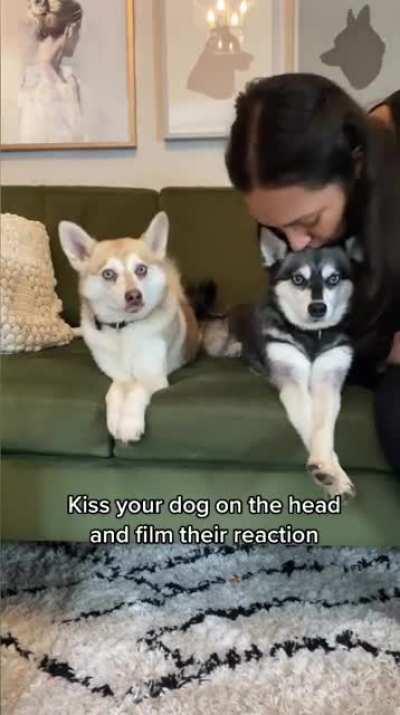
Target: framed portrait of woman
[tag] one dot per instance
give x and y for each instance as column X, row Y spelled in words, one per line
column 67, row 75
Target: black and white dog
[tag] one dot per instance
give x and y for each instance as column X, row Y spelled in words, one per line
column 297, row 337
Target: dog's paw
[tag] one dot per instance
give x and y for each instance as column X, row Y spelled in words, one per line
column 233, row 349
column 332, row 478
column 112, row 423
column 345, row 486
column 113, row 417
column 114, row 405
column 322, row 471
column 348, row 494
column 131, row 428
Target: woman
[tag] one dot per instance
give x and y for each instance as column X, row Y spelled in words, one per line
column 49, row 98
column 315, row 168
column 388, row 112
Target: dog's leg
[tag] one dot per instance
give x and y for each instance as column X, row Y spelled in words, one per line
column 137, row 398
column 327, row 377
column 296, row 399
column 290, row 373
column 114, row 404
column 150, row 377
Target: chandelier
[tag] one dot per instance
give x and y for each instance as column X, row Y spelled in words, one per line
column 226, row 21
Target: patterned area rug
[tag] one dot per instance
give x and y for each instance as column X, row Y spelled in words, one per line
column 183, row 630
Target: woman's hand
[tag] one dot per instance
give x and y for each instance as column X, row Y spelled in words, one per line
column 394, row 355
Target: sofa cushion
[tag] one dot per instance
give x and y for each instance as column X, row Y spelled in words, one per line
column 212, row 236
column 214, row 411
column 103, row 212
column 30, row 307
column 219, row 411
column 53, row 403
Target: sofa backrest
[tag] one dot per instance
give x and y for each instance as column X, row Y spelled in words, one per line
column 104, row 213
column 212, row 235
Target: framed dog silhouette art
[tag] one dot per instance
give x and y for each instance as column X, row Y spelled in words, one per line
column 356, row 43
column 210, row 49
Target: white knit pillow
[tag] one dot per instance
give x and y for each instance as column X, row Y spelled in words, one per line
column 29, row 304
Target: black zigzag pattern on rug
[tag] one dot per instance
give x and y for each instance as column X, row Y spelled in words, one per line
column 54, row 667
column 288, row 568
column 95, row 555
column 106, row 566
column 232, row 658
column 232, row 614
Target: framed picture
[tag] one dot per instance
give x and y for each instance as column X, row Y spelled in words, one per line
column 355, row 43
column 210, row 50
column 68, row 78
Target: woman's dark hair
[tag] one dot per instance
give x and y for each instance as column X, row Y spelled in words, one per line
column 294, row 129
column 304, row 129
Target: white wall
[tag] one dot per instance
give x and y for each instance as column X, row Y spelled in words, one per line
column 154, row 164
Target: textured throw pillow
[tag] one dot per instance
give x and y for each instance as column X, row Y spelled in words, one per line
column 29, row 305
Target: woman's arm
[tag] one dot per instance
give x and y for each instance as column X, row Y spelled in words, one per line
column 394, row 355
column 383, row 114
column 388, row 112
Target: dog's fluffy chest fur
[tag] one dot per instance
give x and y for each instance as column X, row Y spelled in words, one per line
column 124, row 353
column 268, row 325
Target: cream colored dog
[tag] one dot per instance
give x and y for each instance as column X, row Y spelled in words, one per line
column 135, row 317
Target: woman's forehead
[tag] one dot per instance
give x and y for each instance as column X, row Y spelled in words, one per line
column 286, row 205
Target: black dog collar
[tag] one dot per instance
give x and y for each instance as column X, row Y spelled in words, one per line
column 116, row 326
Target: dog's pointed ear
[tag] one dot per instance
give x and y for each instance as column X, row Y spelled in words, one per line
column 364, row 16
column 354, row 249
column 77, row 245
column 273, row 249
column 156, row 236
column 351, row 20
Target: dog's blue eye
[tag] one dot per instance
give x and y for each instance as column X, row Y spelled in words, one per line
column 141, row 270
column 109, row 275
column 298, row 279
column 333, row 280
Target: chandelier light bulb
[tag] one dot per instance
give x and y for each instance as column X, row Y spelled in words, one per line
column 211, row 18
column 228, row 14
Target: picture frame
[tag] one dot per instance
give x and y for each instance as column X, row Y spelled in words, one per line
column 355, row 43
column 96, row 109
column 191, row 107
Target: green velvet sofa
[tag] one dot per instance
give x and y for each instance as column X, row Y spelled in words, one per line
column 219, row 431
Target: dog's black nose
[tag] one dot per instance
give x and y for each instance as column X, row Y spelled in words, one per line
column 317, row 309
column 133, row 297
